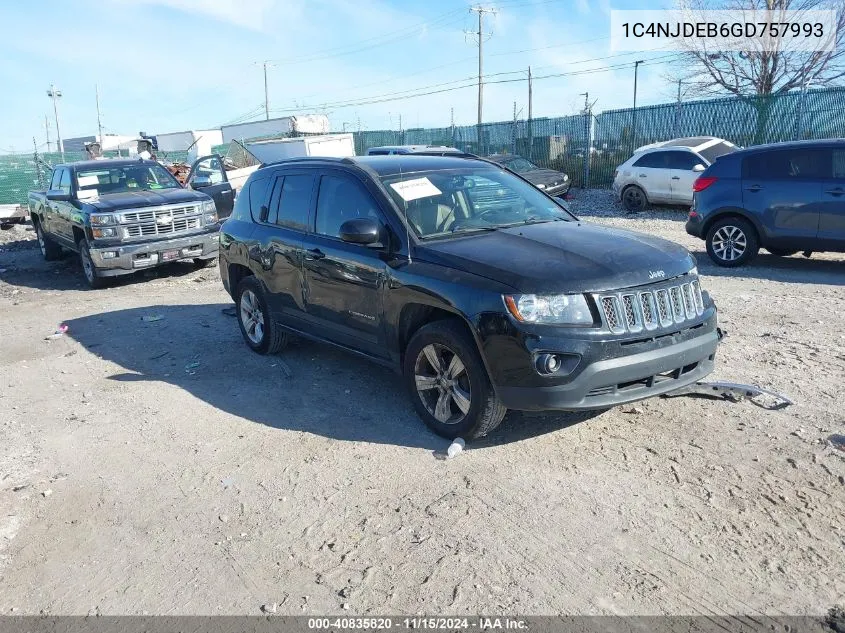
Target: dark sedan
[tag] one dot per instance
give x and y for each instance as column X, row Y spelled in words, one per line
column 553, row 182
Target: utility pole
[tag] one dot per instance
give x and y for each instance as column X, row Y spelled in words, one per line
column 47, row 130
column 530, row 114
column 634, row 113
column 265, row 63
column 480, row 34
column 55, row 95
column 99, row 123
column 587, row 142
column 678, row 110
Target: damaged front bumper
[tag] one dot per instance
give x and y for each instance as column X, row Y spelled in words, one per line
column 122, row 259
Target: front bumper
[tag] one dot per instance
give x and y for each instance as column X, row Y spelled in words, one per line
column 558, row 190
column 695, row 226
column 128, row 258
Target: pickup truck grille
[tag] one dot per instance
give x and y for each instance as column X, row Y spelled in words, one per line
column 155, row 221
column 653, row 308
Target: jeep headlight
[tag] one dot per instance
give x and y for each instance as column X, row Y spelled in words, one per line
column 102, row 218
column 557, row 309
column 209, row 212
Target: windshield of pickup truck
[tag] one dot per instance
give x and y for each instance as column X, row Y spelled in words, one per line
column 451, row 202
column 123, row 179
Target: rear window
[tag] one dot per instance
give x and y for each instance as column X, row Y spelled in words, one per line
column 720, row 149
column 788, row 164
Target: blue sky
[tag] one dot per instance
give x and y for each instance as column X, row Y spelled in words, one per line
column 172, row 65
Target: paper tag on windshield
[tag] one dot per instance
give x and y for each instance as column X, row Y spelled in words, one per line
column 415, row 189
column 87, row 181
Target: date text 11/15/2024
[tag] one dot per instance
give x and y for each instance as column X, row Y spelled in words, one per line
column 429, row 623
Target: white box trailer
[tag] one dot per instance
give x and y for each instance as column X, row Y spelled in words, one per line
column 271, row 150
column 281, row 127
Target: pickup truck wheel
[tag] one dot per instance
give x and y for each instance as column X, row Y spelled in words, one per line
column 49, row 249
column 448, row 383
column 259, row 330
column 732, row 242
column 88, row 268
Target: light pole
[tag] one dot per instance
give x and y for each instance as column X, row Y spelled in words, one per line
column 55, row 95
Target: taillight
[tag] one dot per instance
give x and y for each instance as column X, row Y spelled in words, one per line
column 702, row 182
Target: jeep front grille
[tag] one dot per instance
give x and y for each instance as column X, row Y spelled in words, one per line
column 168, row 220
column 635, row 311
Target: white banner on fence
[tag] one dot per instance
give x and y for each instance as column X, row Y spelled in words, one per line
column 711, row 32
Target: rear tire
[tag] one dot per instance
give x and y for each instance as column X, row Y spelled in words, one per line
column 634, row 199
column 732, row 242
column 781, row 252
column 448, row 384
column 260, row 332
column 49, row 249
column 90, row 272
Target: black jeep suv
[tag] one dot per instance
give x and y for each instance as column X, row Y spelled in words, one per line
column 485, row 293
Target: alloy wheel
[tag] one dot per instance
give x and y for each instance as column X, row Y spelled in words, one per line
column 87, row 264
column 252, row 317
column 729, row 243
column 634, row 198
column 443, row 383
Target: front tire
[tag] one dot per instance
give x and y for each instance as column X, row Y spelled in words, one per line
column 448, row 384
column 732, row 242
column 92, row 276
column 260, row 332
column 49, row 249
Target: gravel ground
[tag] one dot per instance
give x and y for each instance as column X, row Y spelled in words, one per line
column 160, row 467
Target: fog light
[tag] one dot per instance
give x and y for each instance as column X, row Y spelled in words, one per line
column 559, row 364
column 547, row 363
column 109, row 254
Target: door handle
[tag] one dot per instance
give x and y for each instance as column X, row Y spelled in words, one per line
column 835, row 192
column 753, row 188
column 314, row 253
column 676, row 177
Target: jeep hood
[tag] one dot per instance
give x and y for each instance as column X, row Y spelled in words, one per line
column 562, row 257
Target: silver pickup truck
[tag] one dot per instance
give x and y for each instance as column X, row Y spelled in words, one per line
column 123, row 215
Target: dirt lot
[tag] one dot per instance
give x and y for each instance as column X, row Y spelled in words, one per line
column 160, row 467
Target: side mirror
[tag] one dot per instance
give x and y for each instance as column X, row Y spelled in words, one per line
column 200, row 182
column 699, row 168
column 58, row 195
column 365, row 231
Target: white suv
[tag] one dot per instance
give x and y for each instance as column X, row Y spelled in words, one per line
column 664, row 172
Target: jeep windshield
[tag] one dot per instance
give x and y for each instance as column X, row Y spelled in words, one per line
column 123, row 179
column 449, row 202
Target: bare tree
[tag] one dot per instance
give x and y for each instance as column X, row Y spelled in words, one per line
column 761, row 72
column 756, row 74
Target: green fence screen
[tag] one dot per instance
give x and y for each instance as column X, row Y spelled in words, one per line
column 587, row 146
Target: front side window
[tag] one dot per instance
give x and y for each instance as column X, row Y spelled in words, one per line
column 341, row 199
column 259, row 198
column 64, row 183
column 211, row 168
column 454, row 201
column 294, row 201
column 124, row 179
column 682, row 160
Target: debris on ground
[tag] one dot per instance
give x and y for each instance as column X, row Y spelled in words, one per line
column 230, row 311
column 455, row 447
column 285, row 367
column 46, row 493
column 59, row 333
column 734, row 392
column 190, row 367
column 151, row 318
column 632, row 410
column 223, row 518
column 269, row 608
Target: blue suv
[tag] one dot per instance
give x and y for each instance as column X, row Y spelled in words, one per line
column 784, row 197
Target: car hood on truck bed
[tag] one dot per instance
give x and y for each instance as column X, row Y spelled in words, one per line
column 562, row 257
column 144, row 198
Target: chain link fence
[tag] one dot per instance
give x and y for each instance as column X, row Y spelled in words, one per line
column 587, row 146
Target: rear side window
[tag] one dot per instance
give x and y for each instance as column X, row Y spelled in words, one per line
column 259, row 198
column 652, row 159
column 681, row 160
column 294, row 201
column 788, row 164
column 342, row 199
